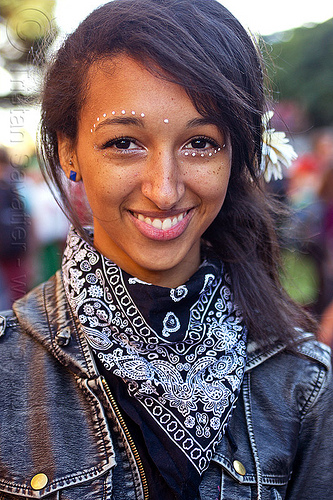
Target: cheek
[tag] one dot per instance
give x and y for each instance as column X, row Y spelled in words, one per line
column 212, row 184
column 105, row 181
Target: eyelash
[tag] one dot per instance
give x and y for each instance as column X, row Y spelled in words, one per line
column 185, row 149
column 209, row 140
column 112, row 142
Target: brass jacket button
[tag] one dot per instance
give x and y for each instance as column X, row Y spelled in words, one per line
column 39, row 481
column 239, row 467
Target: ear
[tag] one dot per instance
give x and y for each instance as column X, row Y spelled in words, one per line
column 67, row 157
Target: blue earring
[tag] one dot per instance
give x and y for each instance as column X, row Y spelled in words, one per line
column 72, row 175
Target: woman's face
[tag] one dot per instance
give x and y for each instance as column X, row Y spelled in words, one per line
column 154, row 170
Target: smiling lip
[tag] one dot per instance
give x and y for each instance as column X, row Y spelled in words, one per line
column 162, row 228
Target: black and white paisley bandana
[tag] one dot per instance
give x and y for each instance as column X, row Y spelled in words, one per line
column 179, row 353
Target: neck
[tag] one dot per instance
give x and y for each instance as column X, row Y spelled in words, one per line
column 168, row 278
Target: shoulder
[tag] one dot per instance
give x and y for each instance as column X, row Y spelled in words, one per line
column 28, row 315
column 306, row 349
column 301, row 375
column 316, row 351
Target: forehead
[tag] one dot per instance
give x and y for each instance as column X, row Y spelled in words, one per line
column 125, row 83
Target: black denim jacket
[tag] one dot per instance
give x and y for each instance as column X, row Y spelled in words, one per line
column 56, row 441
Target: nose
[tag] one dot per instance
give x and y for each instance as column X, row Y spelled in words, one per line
column 163, row 181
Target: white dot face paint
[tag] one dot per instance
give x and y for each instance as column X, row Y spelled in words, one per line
column 123, row 112
column 193, row 154
column 202, row 154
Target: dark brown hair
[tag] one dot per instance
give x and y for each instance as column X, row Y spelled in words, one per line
column 202, row 47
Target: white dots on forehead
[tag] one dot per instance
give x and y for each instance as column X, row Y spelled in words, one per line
column 122, row 112
column 166, row 120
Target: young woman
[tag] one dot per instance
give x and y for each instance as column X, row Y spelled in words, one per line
column 163, row 361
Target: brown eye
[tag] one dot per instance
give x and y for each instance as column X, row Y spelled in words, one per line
column 199, row 143
column 123, row 143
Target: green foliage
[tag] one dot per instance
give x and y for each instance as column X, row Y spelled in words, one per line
column 300, row 65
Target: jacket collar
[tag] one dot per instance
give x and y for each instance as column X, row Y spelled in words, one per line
column 45, row 314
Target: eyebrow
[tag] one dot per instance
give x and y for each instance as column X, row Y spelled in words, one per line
column 197, row 122
column 121, row 120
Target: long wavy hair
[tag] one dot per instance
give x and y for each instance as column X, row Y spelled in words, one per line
column 202, row 47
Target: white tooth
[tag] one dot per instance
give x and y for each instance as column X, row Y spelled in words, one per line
column 141, row 217
column 174, row 221
column 157, row 223
column 166, row 224
column 148, row 221
column 180, row 217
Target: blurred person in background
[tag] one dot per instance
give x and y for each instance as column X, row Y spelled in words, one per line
column 308, row 193
column 13, row 234
column 49, row 227
column 325, row 194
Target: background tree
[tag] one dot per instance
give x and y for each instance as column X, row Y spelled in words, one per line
column 300, row 63
column 27, row 28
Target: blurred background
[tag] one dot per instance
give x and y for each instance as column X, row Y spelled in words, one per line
column 297, row 42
